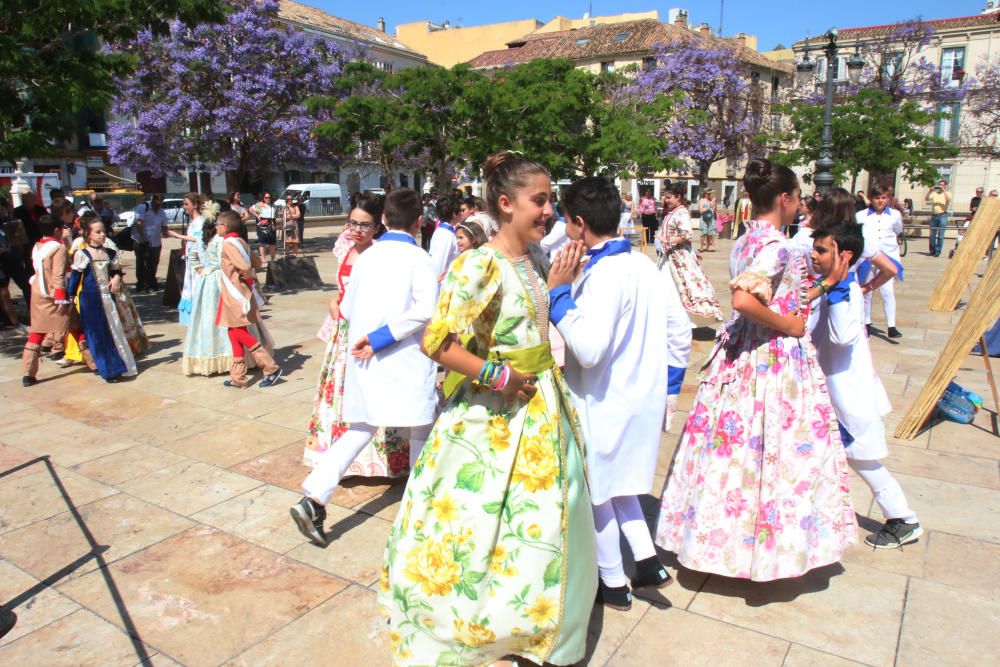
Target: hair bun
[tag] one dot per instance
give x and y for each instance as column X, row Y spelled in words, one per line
column 497, row 160
column 758, row 172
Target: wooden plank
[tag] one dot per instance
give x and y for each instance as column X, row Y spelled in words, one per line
column 970, row 251
column 982, row 311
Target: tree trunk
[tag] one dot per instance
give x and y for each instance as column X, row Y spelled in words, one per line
column 703, row 168
column 854, row 182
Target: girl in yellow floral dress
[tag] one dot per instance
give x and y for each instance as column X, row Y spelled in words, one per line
column 492, row 553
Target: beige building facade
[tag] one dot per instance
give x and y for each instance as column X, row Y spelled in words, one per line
column 959, row 46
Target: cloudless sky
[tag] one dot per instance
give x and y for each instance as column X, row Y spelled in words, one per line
column 773, row 21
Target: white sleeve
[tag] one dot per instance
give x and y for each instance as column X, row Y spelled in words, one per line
column 424, row 291
column 588, row 328
column 897, row 222
column 678, row 325
column 440, row 251
column 844, row 324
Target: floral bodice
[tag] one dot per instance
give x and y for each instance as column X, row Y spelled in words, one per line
column 763, row 264
column 481, row 284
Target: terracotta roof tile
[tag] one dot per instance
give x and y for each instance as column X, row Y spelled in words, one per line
column 601, row 41
column 299, row 14
column 875, row 31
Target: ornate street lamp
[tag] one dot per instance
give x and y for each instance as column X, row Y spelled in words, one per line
column 823, row 173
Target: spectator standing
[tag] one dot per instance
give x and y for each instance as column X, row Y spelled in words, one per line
column 975, row 201
column 430, row 222
column 291, row 216
column 264, row 213
column 147, row 233
column 96, row 204
column 236, row 205
column 647, row 213
column 744, row 213
column 940, row 199
column 707, row 211
column 29, row 213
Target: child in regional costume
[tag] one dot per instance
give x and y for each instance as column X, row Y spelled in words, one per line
column 759, row 485
column 388, row 381
column 859, row 399
column 882, row 225
column 207, row 348
column 673, row 240
column 492, row 553
column 239, row 304
column 49, row 304
column 615, row 319
column 387, row 454
column 192, row 205
column 95, row 282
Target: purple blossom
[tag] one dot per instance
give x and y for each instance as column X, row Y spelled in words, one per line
column 229, row 95
column 719, row 111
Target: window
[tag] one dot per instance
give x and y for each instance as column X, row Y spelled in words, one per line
column 648, row 64
column 608, row 66
column 892, row 64
column 947, row 128
column 621, row 37
column 404, row 181
column 582, row 41
column 952, row 66
column 840, row 69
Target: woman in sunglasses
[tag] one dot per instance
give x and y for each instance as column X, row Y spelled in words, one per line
column 265, row 213
column 386, row 455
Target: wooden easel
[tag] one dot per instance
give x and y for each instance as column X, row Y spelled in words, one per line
column 984, row 350
column 958, row 274
column 982, row 311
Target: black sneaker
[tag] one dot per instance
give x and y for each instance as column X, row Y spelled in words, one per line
column 651, row 572
column 270, row 379
column 870, row 330
column 309, row 518
column 894, row 333
column 8, row 620
column 28, row 381
column 894, row 534
column 619, row 598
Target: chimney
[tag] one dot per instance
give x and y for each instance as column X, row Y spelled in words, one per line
column 741, row 39
column 705, row 29
column 381, row 24
column 681, row 19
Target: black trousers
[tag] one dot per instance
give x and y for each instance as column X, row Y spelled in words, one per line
column 651, row 224
column 147, row 260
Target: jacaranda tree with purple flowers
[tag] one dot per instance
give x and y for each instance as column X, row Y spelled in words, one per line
column 720, row 108
column 228, row 96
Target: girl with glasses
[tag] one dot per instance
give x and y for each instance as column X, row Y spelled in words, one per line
column 386, row 455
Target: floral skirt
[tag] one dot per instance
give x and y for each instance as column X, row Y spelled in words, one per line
column 693, row 286
column 759, row 484
column 493, row 552
column 387, row 455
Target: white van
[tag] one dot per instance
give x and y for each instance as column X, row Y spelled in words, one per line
column 319, row 198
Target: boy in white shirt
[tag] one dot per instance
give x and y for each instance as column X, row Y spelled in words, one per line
column 858, row 398
column 444, row 245
column 614, row 318
column 388, row 381
column 882, row 224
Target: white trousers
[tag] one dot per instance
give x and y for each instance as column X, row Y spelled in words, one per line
column 323, row 480
column 888, row 304
column 613, row 518
column 887, row 491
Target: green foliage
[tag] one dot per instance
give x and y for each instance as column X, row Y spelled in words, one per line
column 569, row 119
column 870, row 133
column 52, row 67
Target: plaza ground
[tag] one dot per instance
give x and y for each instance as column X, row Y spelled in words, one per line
column 157, row 531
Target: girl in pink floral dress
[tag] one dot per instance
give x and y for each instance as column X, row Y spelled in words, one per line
column 759, row 488
column 674, row 241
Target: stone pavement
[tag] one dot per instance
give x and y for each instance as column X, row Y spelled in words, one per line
column 160, row 534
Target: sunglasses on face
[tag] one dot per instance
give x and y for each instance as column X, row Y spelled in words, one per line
column 363, row 226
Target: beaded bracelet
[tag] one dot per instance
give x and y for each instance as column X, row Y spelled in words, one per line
column 501, row 382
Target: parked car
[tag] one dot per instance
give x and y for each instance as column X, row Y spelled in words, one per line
column 319, row 198
column 171, row 207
